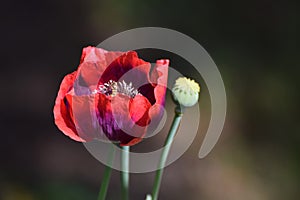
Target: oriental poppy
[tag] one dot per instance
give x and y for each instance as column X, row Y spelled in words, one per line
column 100, row 100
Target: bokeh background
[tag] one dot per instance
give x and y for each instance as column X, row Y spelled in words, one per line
column 254, row 44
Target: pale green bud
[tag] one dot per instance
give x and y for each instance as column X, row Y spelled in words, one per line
column 186, row 91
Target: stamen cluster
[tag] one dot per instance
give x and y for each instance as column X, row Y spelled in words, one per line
column 112, row 88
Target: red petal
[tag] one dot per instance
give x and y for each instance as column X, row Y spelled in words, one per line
column 159, row 79
column 120, row 115
column 159, row 76
column 63, row 109
column 85, row 52
column 123, row 64
column 85, row 117
column 93, row 63
column 138, row 108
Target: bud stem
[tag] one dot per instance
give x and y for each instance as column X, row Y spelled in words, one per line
column 165, row 152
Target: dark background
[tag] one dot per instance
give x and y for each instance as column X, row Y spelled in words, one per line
column 254, row 43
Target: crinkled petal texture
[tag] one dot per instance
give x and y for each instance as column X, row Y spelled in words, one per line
column 84, row 115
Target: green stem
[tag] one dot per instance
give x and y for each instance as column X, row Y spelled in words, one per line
column 107, row 173
column 125, row 172
column 165, row 152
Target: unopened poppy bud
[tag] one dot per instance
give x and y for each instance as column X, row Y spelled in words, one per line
column 186, row 91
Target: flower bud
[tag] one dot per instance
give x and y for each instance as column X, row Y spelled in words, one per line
column 186, row 91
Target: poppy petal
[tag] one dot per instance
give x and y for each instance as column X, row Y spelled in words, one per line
column 123, row 64
column 94, row 61
column 120, row 115
column 85, row 117
column 159, row 77
column 63, row 109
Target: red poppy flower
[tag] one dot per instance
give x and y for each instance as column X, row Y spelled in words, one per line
column 112, row 95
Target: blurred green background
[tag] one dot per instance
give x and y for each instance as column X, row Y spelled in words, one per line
column 254, row 44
